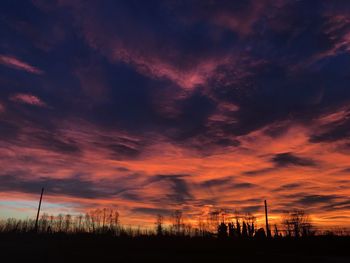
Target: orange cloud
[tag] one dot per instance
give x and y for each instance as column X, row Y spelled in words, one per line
column 171, row 176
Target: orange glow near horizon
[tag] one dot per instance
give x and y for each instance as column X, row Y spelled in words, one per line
column 168, row 177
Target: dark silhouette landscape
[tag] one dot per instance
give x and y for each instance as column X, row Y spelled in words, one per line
column 99, row 236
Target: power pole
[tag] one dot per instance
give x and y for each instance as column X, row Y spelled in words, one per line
column 37, row 215
column 268, row 233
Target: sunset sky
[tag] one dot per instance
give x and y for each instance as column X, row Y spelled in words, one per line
column 151, row 106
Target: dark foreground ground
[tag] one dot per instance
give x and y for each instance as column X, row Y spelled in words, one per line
column 98, row 248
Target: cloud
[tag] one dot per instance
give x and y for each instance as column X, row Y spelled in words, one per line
column 8, row 130
column 251, row 209
column 81, row 186
column 288, row 158
column 290, row 186
column 152, row 211
column 121, row 147
column 216, row 182
column 55, row 142
column 73, row 186
column 337, row 30
column 242, row 185
column 13, row 62
column 172, row 60
column 345, row 170
column 332, row 132
column 28, row 99
column 239, row 17
column 339, row 204
column 259, row 171
column 2, row 108
column 180, row 191
column 317, row 199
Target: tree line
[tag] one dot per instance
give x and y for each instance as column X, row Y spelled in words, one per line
column 216, row 223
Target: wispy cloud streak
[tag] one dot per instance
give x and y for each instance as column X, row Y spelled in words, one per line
column 16, row 63
column 28, row 99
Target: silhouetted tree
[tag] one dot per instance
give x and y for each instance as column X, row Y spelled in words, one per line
column 60, row 218
column 260, row 234
column 214, row 220
column 244, row 230
column 79, row 223
column 203, row 226
column 222, row 230
column 159, row 225
column 297, row 223
column 250, row 224
column 238, row 228
column 67, row 222
column 188, row 229
column 276, row 232
column 177, row 222
column 43, row 223
column 231, row 230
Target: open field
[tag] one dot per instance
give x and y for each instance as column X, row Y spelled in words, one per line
column 28, row 247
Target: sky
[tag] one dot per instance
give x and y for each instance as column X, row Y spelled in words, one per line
column 152, row 106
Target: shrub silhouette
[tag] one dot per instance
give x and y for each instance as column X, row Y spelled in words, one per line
column 222, row 230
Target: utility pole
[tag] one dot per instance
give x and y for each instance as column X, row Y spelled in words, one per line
column 37, row 215
column 268, row 233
